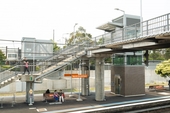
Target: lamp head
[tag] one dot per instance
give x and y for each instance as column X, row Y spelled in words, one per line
column 116, row 8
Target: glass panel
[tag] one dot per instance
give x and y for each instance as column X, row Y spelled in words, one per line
column 134, row 60
column 118, row 60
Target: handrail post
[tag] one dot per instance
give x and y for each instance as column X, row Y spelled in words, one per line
column 167, row 22
column 135, row 30
column 146, row 27
column 2, row 102
column 123, row 37
column 13, row 100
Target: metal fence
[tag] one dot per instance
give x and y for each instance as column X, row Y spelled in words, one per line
column 149, row 27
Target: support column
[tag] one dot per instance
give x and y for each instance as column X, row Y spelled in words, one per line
column 85, row 81
column 99, row 79
column 29, row 85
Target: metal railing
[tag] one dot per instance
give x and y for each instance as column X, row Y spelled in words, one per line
column 153, row 26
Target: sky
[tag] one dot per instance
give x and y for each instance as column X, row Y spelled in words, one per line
column 39, row 18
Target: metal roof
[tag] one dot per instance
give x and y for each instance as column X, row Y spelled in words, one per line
column 109, row 26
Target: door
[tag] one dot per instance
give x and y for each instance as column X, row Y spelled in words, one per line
column 117, row 84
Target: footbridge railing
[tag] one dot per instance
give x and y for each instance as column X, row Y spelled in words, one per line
column 149, row 27
column 76, row 53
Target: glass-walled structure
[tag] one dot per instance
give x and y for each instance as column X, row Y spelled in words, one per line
column 115, row 33
column 36, row 49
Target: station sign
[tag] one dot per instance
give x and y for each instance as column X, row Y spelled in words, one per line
column 76, row 75
column 80, row 76
column 68, row 75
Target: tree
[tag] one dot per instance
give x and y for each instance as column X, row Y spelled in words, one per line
column 167, row 54
column 55, row 47
column 163, row 68
column 80, row 36
column 156, row 55
column 2, row 57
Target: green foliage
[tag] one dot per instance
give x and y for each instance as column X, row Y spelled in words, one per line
column 2, row 57
column 167, row 54
column 156, row 55
column 108, row 60
column 163, row 68
column 37, row 68
column 55, row 47
column 80, row 36
column 6, row 66
column 101, row 40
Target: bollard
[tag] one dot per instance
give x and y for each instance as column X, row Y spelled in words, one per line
column 2, row 102
column 30, row 101
column 14, row 98
column 12, row 104
column 46, row 101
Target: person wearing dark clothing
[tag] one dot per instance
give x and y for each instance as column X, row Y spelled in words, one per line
column 47, row 91
column 26, row 66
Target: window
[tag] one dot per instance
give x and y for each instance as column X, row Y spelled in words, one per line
column 134, row 60
column 12, row 55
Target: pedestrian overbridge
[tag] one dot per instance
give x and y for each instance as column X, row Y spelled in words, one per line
column 147, row 35
column 150, row 42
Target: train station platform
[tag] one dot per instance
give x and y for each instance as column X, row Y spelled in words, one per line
column 113, row 103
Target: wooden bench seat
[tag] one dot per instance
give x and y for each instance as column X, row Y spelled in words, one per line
column 156, row 87
column 48, row 96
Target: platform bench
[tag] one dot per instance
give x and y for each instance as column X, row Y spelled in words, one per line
column 156, row 87
column 48, row 96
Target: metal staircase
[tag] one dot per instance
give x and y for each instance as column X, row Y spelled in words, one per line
column 50, row 65
column 7, row 77
column 58, row 66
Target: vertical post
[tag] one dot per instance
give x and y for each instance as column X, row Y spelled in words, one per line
column 79, row 99
column 2, row 102
column 71, row 78
column 141, row 19
column 124, row 26
column 135, row 30
column 99, row 79
column 146, row 27
column 71, row 81
column 33, row 56
column 167, row 22
column 95, row 42
column 13, row 100
column 111, row 35
column 85, row 81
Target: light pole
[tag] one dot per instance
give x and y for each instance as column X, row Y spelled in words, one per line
column 74, row 32
column 141, row 31
column 124, row 25
column 124, row 20
column 123, row 16
column 64, row 37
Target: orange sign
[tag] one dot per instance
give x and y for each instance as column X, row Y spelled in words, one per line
column 68, row 75
column 79, row 76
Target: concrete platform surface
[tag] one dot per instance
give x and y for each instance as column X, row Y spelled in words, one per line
column 9, row 105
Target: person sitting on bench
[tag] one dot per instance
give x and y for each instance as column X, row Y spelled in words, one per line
column 56, row 96
column 61, row 96
column 47, row 91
